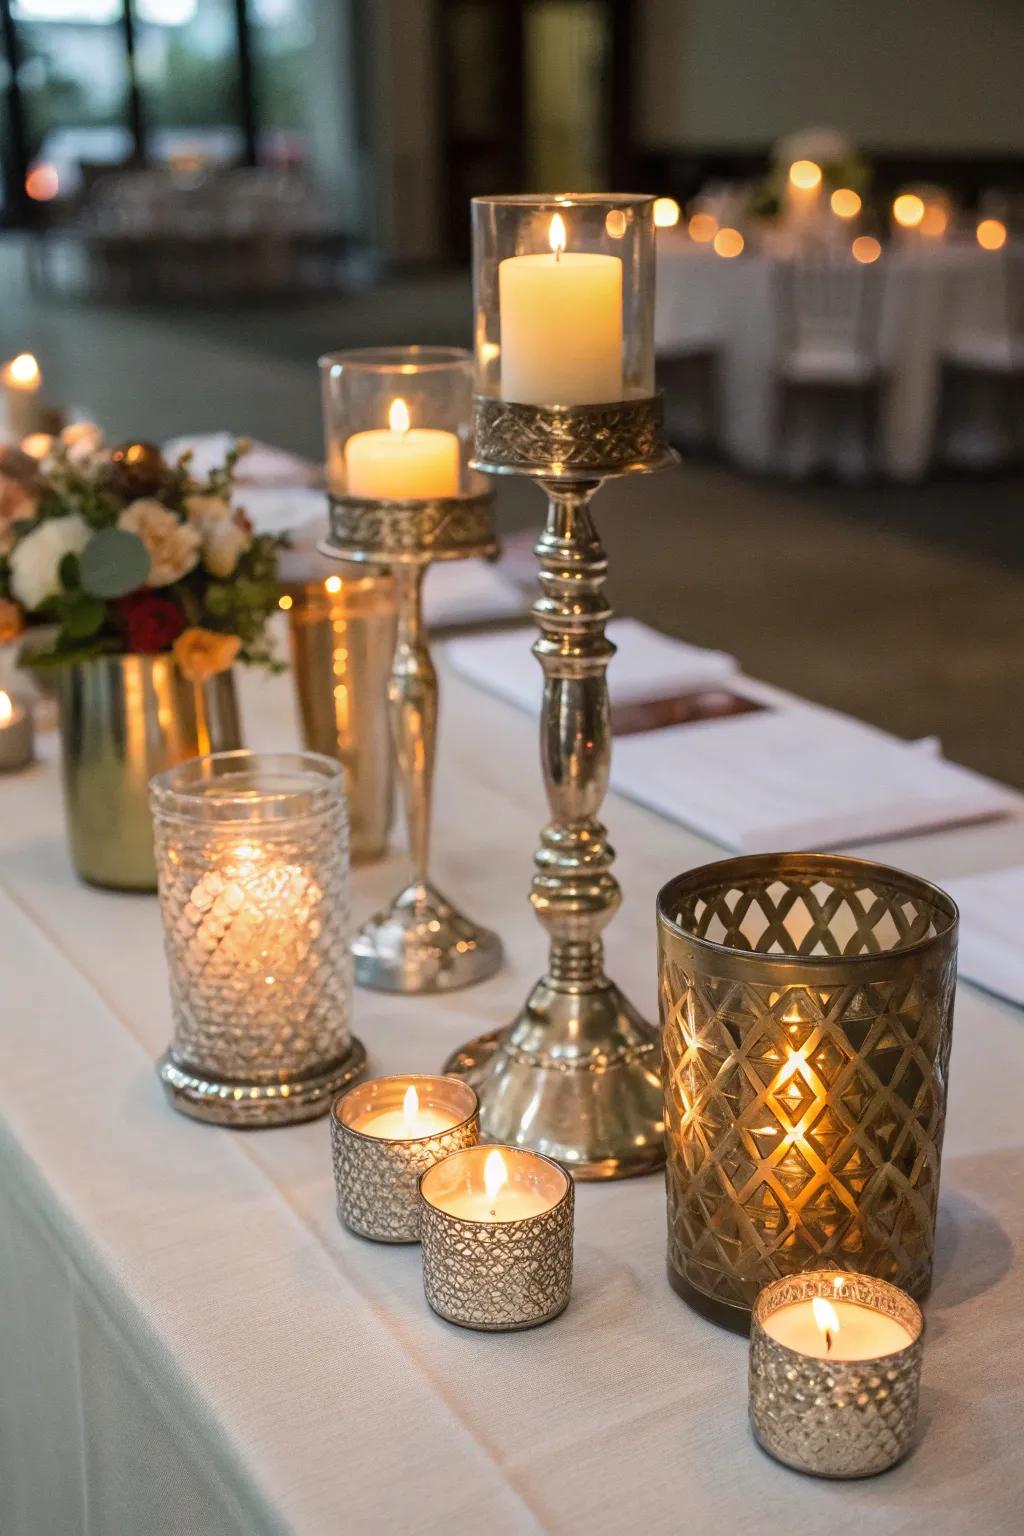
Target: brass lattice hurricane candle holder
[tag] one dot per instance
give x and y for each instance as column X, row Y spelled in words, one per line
column 807, row 1009
column 566, row 397
column 402, row 497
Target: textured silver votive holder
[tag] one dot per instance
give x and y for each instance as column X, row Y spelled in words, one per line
column 496, row 1276
column 834, row 1418
column 377, row 1177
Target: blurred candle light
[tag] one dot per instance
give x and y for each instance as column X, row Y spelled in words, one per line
column 805, row 174
column 908, row 210
column 615, row 222
column 934, row 221
column 42, row 184
column 20, row 383
column 37, row 445
column 666, row 213
column 865, row 249
column 728, row 243
column 845, row 203
column 991, row 234
column 703, row 227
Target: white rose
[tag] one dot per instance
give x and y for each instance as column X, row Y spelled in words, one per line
column 202, row 510
column 35, row 558
column 173, row 546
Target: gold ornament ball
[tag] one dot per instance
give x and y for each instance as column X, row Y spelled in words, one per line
column 137, row 469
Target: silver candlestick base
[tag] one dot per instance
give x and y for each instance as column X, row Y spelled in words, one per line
column 577, row 1074
column 419, row 942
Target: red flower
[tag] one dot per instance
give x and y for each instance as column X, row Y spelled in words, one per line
column 150, row 622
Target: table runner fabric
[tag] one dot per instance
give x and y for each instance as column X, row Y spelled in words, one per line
column 190, row 1342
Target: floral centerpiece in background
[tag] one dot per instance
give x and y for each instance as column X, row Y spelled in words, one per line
column 127, row 554
column 153, row 584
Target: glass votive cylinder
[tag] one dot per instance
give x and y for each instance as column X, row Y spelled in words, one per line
column 17, row 741
column 396, row 423
column 252, row 861
column 341, row 630
column 807, row 1010
column 496, row 1230
column 835, row 1371
column 563, row 297
column 387, row 1132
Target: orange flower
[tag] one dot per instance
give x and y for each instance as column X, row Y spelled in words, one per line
column 201, row 653
column 12, row 621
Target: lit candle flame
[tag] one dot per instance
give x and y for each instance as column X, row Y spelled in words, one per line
column 411, row 1107
column 495, row 1174
column 556, row 234
column 24, row 369
column 398, row 416
column 826, row 1317
column 333, row 583
column 6, row 707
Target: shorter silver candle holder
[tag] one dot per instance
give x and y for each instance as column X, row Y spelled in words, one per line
column 420, row 942
column 508, row 1272
column 834, row 1418
column 17, row 737
column 377, row 1176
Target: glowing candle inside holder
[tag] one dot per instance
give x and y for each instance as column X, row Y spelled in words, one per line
column 402, row 463
column 561, row 325
column 497, row 1233
column 835, row 1366
column 20, row 385
column 16, row 735
column 384, row 1135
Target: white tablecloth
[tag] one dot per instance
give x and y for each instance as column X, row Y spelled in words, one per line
column 190, row 1343
column 931, row 296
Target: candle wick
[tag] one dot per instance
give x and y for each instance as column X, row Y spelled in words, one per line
column 828, row 1341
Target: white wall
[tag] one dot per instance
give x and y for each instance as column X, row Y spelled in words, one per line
column 895, row 74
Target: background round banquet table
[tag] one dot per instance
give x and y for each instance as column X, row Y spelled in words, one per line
column 189, row 1342
column 931, row 295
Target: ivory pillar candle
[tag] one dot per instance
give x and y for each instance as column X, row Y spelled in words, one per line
column 402, row 463
column 20, row 384
column 561, row 325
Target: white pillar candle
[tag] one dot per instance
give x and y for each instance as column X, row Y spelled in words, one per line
column 561, row 325
column 836, row 1330
column 20, row 383
column 402, row 463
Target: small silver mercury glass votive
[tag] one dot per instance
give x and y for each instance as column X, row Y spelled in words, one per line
column 384, row 1135
column 497, row 1238
column 819, row 1412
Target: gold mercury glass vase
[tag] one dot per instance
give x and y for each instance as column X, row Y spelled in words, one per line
column 807, row 1011
column 122, row 720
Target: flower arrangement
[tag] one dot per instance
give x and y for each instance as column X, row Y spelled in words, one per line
column 129, row 554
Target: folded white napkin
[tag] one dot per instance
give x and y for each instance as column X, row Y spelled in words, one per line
column 469, row 592
column 991, row 948
column 648, row 665
column 262, row 465
column 797, row 777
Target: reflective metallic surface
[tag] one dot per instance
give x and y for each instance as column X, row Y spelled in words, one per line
column 834, row 1418
column 807, row 1009
column 342, row 643
column 122, row 720
column 419, row 942
column 577, row 1075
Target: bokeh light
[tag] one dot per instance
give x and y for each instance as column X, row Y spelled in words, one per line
column 805, row 174
column 908, row 210
column 703, row 227
column 845, row 203
column 865, row 249
column 935, row 221
column 42, row 184
column 666, row 213
column 991, row 234
column 728, row 243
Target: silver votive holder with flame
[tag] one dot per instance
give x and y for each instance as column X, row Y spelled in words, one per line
column 496, row 1228
column 829, row 1416
column 386, row 1133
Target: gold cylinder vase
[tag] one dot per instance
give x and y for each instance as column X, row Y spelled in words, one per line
column 342, row 637
column 122, row 720
column 806, row 1006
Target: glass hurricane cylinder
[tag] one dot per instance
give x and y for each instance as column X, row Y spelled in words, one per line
column 252, row 859
column 807, row 1008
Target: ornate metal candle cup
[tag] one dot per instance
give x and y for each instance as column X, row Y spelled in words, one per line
column 497, row 1236
column 252, row 859
column 829, row 1416
column 380, row 1146
column 397, row 423
column 807, row 1007
column 342, row 633
column 565, row 395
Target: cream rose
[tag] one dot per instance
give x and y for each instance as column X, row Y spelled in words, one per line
column 203, row 510
column 223, row 542
column 173, row 546
column 36, row 558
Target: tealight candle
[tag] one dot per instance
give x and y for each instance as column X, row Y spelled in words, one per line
column 835, row 1366
column 497, row 1235
column 384, row 1135
column 16, row 733
column 402, row 463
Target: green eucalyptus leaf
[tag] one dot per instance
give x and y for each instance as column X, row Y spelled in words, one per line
column 114, row 562
column 85, row 618
column 70, row 572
